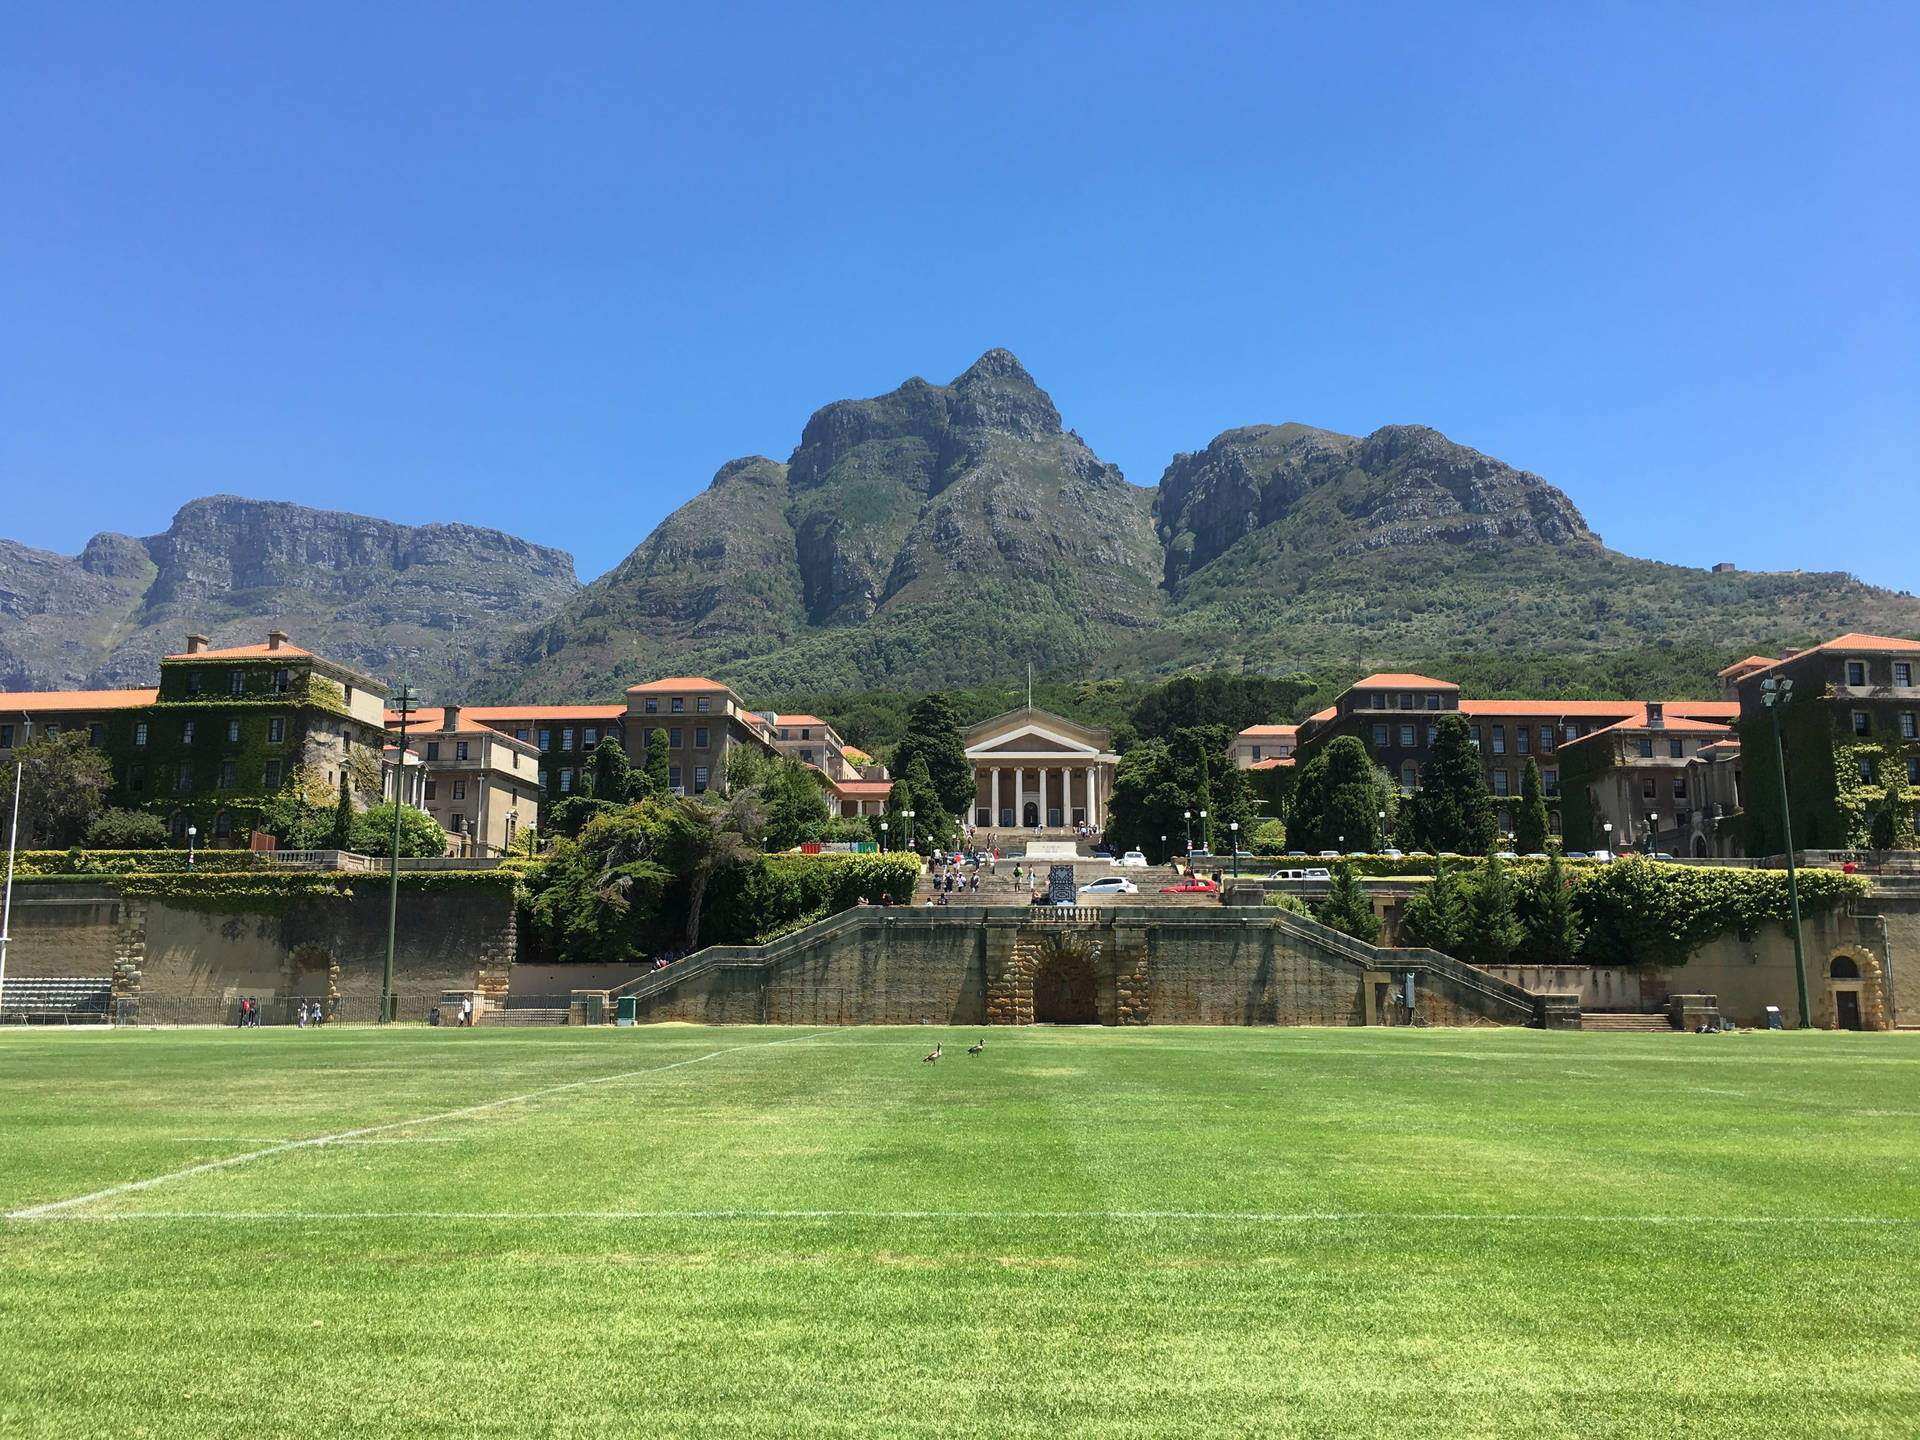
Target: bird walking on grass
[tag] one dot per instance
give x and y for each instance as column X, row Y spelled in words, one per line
column 977, row 1048
column 935, row 1055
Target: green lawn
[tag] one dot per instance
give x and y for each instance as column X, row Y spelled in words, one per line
column 1164, row 1232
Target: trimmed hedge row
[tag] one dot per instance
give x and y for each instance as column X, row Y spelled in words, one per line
column 135, row 862
column 774, row 894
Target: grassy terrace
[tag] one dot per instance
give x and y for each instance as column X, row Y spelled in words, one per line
column 1169, row 1232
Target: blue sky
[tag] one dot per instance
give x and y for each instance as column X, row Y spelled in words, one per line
column 547, row 267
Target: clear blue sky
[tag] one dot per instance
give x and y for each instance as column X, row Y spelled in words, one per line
column 547, row 267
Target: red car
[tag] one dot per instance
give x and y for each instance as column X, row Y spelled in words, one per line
column 1192, row 885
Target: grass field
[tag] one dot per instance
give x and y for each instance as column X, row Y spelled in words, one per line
column 1164, row 1232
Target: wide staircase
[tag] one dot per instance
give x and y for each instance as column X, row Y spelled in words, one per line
column 56, row 1000
column 1626, row 1022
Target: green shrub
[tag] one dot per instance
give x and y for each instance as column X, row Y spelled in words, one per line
column 127, row 830
column 1280, row 900
column 1643, row 912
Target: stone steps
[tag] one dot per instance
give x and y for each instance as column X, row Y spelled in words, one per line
column 528, row 1015
column 1624, row 1023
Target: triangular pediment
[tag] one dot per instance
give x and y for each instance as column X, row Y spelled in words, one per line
column 1033, row 732
column 1030, row 742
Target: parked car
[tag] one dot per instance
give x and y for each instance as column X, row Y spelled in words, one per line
column 1576, row 855
column 1110, row 885
column 1133, row 859
column 1296, row 854
column 1192, row 885
column 1505, row 855
column 1318, row 874
column 1391, row 855
column 1329, row 854
column 1536, row 855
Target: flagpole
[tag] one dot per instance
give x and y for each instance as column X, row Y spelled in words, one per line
column 6, row 909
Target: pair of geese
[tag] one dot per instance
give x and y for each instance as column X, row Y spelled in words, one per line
column 971, row 1050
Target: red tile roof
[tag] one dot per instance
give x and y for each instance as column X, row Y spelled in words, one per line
column 1752, row 662
column 1282, row 731
column 800, row 720
column 678, row 682
column 1375, row 682
column 237, row 652
column 1850, row 643
column 1271, row 764
column 15, row 701
column 860, row 787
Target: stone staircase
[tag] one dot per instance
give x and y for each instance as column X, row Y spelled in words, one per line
column 1624, row 1022
column 524, row 1015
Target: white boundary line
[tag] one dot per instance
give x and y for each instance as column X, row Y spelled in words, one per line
column 40, row 1212
column 1229, row 1217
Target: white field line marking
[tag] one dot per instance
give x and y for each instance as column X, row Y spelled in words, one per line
column 283, row 1140
column 1305, row 1217
column 36, row 1212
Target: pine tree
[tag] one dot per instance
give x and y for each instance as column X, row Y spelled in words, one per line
column 1553, row 928
column 1530, row 820
column 933, row 735
column 1437, row 915
column 341, row 836
column 1494, row 932
column 657, row 771
column 914, row 791
column 1347, row 908
column 1451, row 811
column 1335, row 803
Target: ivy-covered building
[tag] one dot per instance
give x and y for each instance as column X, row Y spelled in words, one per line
column 1852, row 740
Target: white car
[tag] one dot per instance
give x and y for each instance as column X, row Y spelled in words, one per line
column 1111, row 885
column 1133, row 859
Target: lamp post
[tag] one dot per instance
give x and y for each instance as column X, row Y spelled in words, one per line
column 1206, row 837
column 1775, row 693
column 1383, row 829
column 883, row 837
column 1163, row 849
column 909, row 815
column 1187, row 815
column 1653, row 831
column 406, row 703
column 1607, row 825
column 1234, row 827
column 192, row 830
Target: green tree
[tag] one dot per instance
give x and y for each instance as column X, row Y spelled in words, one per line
column 933, row 735
column 1530, row 820
column 1494, row 931
column 64, row 783
column 1336, row 802
column 127, row 830
column 599, row 897
column 299, row 814
column 1547, row 913
column 608, row 775
column 1231, row 701
column 659, row 769
column 796, row 804
column 1347, row 908
column 1269, row 838
column 1146, row 802
column 420, row 833
column 1451, row 811
column 1436, row 915
column 1207, row 821
column 701, row 836
column 914, row 790
column 748, row 766
column 340, row 836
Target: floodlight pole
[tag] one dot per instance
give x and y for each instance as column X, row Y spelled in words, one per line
column 1773, row 695
column 6, row 909
column 408, row 699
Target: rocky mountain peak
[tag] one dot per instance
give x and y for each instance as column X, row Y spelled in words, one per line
column 997, row 393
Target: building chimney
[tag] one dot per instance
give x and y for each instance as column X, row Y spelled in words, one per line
column 276, row 639
column 1656, row 715
column 450, row 718
column 195, row 644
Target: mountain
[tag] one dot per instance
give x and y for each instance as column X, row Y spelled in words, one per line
column 928, row 536
column 436, row 601
column 1288, row 546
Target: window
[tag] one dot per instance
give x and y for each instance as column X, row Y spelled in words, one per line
column 566, row 738
column 653, row 706
column 193, row 682
column 433, row 749
column 1856, row 672
column 546, row 741
column 1256, row 752
column 97, row 733
column 1409, row 776
column 1406, row 701
column 1676, row 749
column 590, row 737
column 227, row 777
column 1433, row 734
column 566, row 782
column 1499, row 739
column 1573, row 732
column 1646, row 747
column 699, row 779
column 806, row 755
column 1550, row 781
column 677, row 705
column 700, row 737
column 1500, row 783
column 237, row 682
column 1379, row 737
column 1546, row 739
column 520, row 733
column 273, row 775
column 223, row 824
column 1649, row 788
column 53, row 732
column 701, row 705
column 1866, row 767
column 673, row 737
column 1505, row 822
column 186, row 733
column 276, row 729
column 459, row 789
column 1913, row 771
column 1379, row 700
column 1862, row 723
column 137, row 778
column 459, row 749
column 784, row 735
column 673, row 777
column 1903, row 675
column 280, row 684
column 184, row 779
column 1406, row 737
column 139, row 733
column 433, row 789
column 6, row 737
column 1906, row 725
column 1433, row 702
column 1679, row 787
column 1522, row 739
column 233, row 732
column 459, row 824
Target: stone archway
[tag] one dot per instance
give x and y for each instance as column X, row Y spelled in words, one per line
column 1066, row 983
column 1855, row 996
column 1030, row 816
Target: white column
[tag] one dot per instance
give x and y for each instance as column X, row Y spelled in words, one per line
column 1062, row 773
column 1020, row 795
column 993, row 784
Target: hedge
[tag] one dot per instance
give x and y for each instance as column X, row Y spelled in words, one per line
column 134, row 862
column 751, row 903
column 1641, row 912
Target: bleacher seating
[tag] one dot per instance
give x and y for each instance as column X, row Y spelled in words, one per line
column 56, row 1000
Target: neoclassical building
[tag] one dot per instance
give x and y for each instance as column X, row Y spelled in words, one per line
column 1032, row 768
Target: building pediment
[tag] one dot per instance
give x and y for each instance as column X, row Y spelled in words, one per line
column 1035, row 742
column 1033, row 732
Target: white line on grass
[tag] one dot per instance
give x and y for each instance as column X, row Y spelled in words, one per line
column 1230, row 1217
column 39, row 1212
column 283, row 1140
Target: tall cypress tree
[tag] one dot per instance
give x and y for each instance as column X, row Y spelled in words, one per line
column 1451, row 811
column 1553, row 929
column 1347, row 908
column 1436, row 916
column 1530, row 820
column 341, row 836
column 657, row 771
column 933, row 735
column 1495, row 931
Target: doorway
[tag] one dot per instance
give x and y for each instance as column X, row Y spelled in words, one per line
column 1030, row 817
column 1846, row 1009
column 1066, row 991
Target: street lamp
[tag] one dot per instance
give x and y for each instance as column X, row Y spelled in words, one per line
column 1607, row 825
column 909, row 815
column 883, row 837
column 1163, row 849
column 1234, row 826
column 192, row 830
column 1383, row 829
column 1187, row 815
column 406, row 702
column 1653, row 831
column 1206, row 839
column 1775, row 693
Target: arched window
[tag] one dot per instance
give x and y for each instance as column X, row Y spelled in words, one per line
column 178, row 824
column 1409, row 777
column 1553, row 822
column 1844, row 967
column 223, row 824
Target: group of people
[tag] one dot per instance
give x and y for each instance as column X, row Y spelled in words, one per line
column 309, row 1013
column 667, row 957
column 249, row 1014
